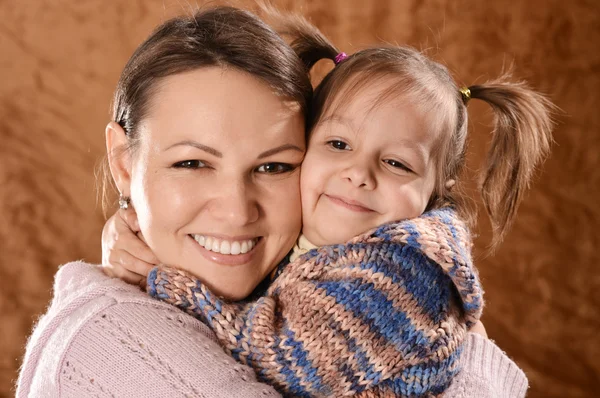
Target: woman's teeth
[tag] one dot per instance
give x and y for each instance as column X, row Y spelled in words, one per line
column 224, row 246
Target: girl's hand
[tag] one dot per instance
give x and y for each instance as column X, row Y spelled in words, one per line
column 124, row 253
column 479, row 329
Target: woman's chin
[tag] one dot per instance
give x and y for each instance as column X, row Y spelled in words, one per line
column 226, row 293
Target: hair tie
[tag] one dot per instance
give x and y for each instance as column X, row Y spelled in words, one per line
column 339, row 58
column 466, row 94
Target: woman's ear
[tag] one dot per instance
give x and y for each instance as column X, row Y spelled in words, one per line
column 119, row 158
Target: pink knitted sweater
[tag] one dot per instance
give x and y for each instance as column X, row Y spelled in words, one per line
column 104, row 338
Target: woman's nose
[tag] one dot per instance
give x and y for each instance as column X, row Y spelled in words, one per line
column 235, row 204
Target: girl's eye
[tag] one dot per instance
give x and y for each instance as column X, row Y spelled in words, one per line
column 189, row 164
column 339, row 145
column 275, row 168
column 397, row 165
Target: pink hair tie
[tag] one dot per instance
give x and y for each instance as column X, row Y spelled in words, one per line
column 340, row 57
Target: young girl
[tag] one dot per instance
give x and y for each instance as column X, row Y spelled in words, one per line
column 380, row 289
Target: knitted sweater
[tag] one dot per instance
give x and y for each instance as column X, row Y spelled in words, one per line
column 104, row 338
column 384, row 315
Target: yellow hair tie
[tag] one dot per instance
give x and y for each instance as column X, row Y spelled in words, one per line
column 466, row 94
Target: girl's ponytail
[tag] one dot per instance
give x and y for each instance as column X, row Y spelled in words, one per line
column 522, row 127
column 520, row 142
column 306, row 39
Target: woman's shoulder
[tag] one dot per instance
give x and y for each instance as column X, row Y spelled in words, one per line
column 99, row 329
column 79, row 285
column 79, row 280
column 87, row 303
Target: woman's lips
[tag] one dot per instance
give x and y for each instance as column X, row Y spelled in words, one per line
column 226, row 245
column 229, row 259
column 349, row 204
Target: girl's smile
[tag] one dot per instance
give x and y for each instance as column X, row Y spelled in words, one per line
column 349, row 204
column 366, row 167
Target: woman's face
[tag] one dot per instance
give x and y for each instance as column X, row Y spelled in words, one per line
column 215, row 177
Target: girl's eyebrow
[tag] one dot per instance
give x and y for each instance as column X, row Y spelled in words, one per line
column 338, row 119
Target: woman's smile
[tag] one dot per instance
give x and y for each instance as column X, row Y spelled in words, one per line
column 215, row 180
column 224, row 252
column 223, row 245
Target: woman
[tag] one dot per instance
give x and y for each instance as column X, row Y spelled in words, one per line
column 223, row 87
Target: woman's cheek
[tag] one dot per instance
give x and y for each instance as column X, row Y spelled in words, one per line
column 161, row 202
column 287, row 208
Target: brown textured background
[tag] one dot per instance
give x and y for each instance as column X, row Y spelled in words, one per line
column 60, row 60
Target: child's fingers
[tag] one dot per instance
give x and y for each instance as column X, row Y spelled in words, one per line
column 123, row 274
column 117, row 235
column 132, row 278
column 140, row 249
column 134, row 245
column 121, row 261
column 130, row 217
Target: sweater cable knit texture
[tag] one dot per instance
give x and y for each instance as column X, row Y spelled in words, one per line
column 385, row 314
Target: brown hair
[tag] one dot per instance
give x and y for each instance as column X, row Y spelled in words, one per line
column 521, row 136
column 221, row 37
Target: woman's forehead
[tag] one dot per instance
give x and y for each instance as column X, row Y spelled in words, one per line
column 213, row 102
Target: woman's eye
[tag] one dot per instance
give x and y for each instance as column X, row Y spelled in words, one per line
column 337, row 144
column 189, row 164
column 397, row 165
column 275, row 168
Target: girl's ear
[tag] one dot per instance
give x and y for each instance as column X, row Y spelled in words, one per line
column 450, row 183
column 119, row 158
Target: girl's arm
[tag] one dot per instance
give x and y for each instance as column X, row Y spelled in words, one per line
column 324, row 329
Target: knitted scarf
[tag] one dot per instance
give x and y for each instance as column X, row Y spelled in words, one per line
column 383, row 315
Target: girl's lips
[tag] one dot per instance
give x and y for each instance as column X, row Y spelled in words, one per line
column 349, row 204
column 228, row 259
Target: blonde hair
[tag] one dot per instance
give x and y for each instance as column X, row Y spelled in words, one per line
column 521, row 135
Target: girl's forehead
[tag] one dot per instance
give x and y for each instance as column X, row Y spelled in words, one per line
column 383, row 118
column 373, row 103
column 363, row 94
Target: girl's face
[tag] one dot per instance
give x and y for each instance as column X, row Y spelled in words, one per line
column 215, row 178
column 367, row 164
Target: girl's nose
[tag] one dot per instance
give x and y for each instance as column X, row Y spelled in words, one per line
column 360, row 175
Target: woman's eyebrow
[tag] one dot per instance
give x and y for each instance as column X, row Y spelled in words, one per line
column 214, row 152
column 282, row 148
column 198, row 145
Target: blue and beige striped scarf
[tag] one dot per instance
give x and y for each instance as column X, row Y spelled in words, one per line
column 383, row 315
